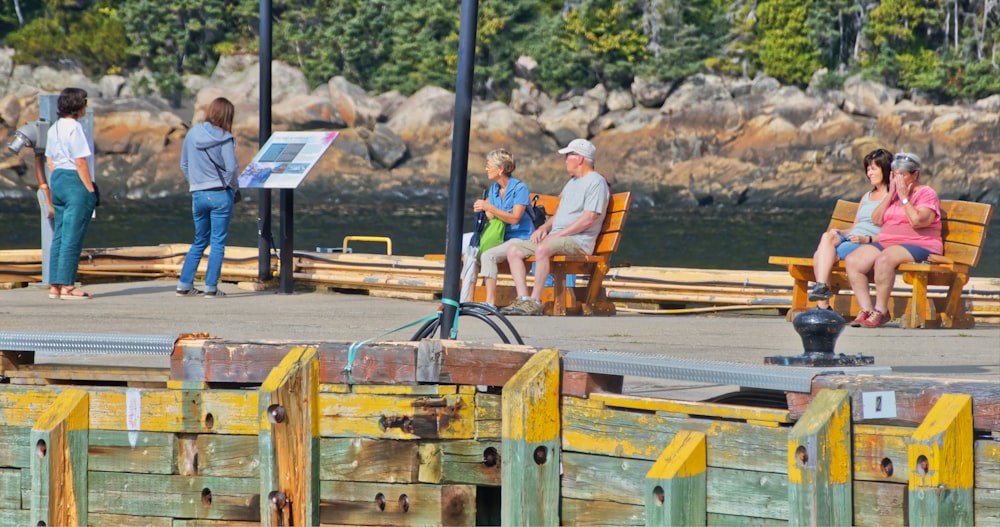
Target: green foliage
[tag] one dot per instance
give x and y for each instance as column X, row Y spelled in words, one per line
column 94, row 40
column 605, row 37
column 786, row 51
column 944, row 49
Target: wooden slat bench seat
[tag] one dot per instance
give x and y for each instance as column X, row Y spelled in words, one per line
column 963, row 228
column 589, row 299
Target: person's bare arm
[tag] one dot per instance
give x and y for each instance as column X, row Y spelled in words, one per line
column 84, row 169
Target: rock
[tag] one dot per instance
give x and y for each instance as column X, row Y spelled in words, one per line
column 649, row 93
column 571, row 118
column 111, row 86
column 524, row 67
column 134, row 132
column 355, row 106
column 10, row 112
column 989, row 104
column 868, row 98
column 389, row 102
column 385, row 146
column 307, row 112
column 792, row 104
column 763, row 85
column 425, row 117
column 619, row 100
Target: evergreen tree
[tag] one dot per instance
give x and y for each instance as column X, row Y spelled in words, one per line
column 786, row 51
column 683, row 35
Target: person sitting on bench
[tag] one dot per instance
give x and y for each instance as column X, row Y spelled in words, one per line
column 911, row 231
column 573, row 230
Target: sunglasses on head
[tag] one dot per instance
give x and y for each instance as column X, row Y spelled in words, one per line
column 906, row 157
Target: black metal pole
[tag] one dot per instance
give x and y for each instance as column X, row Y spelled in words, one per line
column 264, row 195
column 459, row 162
column 287, row 241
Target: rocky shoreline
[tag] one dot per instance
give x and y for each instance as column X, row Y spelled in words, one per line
column 706, row 141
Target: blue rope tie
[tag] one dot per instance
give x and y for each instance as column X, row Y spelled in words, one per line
column 454, row 327
column 352, row 351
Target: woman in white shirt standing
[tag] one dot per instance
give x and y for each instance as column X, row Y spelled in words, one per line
column 73, row 193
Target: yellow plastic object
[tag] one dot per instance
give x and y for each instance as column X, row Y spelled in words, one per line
column 386, row 239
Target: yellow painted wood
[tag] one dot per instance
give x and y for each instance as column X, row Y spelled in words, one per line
column 675, row 485
column 819, row 462
column 59, row 441
column 530, row 443
column 941, row 465
column 881, row 453
column 397, row 417
column 288, row 411
column 405, row 389
column 725, row 411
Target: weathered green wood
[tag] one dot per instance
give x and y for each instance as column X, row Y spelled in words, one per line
column 15, row 517
column 819, row 462
column 354, row 503
column 531, row 424
column 747, row 493
column 112, row 451
column 233, row 456
column 602, row 478
column 373, row 460
column 461, row 462
column 122, row 520
column 588, row 513
column 987, row 506
column 212, row 523
column 623, row 433
column 14, row 446
column 10, row 488
column 728, row 520
column 288, row 413
column 941, row 461
column 879, row 504
column 880, row 453
column 59, row 441
column 675, row 486
column 159, row 495
column 987, row 460
column 488, row 416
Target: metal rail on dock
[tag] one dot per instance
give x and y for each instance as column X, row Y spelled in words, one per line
column 783, row 378
column 89, row 343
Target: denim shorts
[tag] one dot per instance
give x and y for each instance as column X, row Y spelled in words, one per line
column 919, row 254
column 846, row 248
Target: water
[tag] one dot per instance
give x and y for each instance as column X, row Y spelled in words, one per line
column 710, row 238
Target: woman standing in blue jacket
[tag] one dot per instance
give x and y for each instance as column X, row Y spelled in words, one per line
column 208, row 160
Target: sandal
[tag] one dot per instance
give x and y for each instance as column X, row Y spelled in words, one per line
column 54, row 293
column 74, row 294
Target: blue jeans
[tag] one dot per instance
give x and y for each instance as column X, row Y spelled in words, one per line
column 73, row 206
column 211, row 211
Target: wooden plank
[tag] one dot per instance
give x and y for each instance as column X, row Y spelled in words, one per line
column 729, row 520
column 458, row 362
column 987, row 507
column 915, row 396
column 879, row 504
column 59, row 469
column 14, row 450
column 370, row 460
column 819, row 463
column 581, row 384
column 589, row 513
column 488, row 416
column 747, row 493
column 142, row 452
column 530, row 443
column 288, row 410
column 12, row 361
column 591, row 428
column 693, row 408
column 15, row 517
column 235, row 456
column 675, row 486
column 10, row 488
column 175, row 496
column 396, row 416
column 881, row 453
column 463, row 462
column 122, row 520
column 987, row 460
column 355, row 503
column 604, row 479
column 941, row 457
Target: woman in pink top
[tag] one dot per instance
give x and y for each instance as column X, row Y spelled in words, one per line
column 910, row 216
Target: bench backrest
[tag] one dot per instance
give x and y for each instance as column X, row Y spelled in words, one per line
column 611, row 231
column 963, row 227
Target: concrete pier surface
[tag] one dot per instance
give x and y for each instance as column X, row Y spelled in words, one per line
column 151, row 308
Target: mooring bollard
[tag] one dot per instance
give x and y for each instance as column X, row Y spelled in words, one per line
column 819, row 329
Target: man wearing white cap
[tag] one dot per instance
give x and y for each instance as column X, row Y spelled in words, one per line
column 572, row 230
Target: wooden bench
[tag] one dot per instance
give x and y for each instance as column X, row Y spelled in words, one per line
column 588, row 300
column 963, row 228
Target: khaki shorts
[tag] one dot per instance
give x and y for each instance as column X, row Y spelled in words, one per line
column 564, row 246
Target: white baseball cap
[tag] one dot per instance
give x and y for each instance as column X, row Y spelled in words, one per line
column 580, row 146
